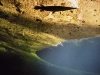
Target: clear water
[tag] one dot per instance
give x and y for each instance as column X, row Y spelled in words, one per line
column 83, row 54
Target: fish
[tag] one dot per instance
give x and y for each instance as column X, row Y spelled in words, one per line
column 53, row 8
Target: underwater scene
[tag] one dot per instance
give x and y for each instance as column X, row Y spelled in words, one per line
column 81, row 55
column 72, row 57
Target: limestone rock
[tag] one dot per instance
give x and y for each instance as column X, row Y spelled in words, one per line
column 45, row 28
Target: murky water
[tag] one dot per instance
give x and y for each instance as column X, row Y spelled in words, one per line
column 81, row 54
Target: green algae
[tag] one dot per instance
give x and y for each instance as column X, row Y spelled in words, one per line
column 18, row 47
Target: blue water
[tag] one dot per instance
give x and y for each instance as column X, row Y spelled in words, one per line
column 83, row 54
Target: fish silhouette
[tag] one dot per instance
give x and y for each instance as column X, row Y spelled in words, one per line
column 53, row 8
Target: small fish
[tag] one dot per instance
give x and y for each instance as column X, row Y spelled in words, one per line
column 53, row 8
